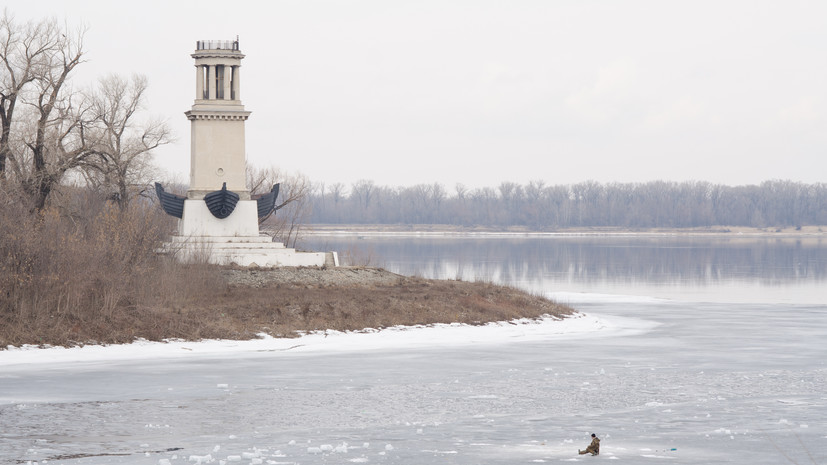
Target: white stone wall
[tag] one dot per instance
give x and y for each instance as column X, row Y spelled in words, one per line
column 217, row 155
column 198, row 221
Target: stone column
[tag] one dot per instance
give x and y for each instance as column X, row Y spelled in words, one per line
column 228, row 74
column 199, row 82
column 237, row 82
column 211, row 82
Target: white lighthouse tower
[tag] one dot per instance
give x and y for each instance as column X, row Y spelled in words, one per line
column 217, row 117
column 218, row 218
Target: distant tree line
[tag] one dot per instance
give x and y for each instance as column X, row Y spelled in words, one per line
column 656, row 204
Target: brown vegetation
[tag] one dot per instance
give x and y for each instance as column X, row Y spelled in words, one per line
column 89, row 273
column 348, row 299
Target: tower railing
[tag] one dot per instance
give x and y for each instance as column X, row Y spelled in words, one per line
column 217, row 45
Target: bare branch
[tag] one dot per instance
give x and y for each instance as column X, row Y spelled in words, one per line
column 122, row 143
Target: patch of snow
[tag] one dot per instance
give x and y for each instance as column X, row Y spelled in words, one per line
column 440, row 335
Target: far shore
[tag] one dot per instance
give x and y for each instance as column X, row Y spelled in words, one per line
column 724, row 231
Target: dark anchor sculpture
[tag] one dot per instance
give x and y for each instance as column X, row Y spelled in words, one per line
column 221, row 203
column 266, row 203
column 172, row 204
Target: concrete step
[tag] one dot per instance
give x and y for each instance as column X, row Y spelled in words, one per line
column 225, row 239
column 243, row 251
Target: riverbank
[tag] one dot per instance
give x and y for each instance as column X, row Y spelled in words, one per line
column 242, row 303
column 726, row 231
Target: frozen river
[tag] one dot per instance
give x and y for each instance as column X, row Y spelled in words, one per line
column 660, row 380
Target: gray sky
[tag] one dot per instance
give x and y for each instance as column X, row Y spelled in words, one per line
column 480, row 92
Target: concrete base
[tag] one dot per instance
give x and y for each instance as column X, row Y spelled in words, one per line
column 234, row 240
column 198, row 221
column 244, row 251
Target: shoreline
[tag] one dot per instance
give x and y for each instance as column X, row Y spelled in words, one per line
column 576, row 325
column 449, row 230
column 288, row 302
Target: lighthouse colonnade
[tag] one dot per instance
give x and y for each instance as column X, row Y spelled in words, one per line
column 217, row 82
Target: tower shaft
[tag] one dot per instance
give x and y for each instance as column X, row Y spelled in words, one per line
column 217, row 121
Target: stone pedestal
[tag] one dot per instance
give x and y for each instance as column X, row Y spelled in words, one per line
column 235, row 240
column 198, row 221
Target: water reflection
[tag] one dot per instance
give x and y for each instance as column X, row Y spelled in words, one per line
column 623, row 264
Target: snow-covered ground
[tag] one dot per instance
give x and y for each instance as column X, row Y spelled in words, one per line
column 403, row 337
column 659, row 381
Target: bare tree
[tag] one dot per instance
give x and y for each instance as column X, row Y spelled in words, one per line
column 338, row 192
column 438, row 195
column 362, row 191
column 532, row 208
column 24, row 51
column 294, row 210
column 320, row 193
column 461, row 191
column 38, row 59
column 260, row 180
column 293, row 206
column 122, row 145
column 534, row 190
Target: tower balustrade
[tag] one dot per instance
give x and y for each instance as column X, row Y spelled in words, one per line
column 217, row 45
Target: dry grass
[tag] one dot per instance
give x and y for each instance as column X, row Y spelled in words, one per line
column 71, row 276
column 282, row 309
column 70, row 279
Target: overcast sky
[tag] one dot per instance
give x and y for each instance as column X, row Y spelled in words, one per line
column 481, row 92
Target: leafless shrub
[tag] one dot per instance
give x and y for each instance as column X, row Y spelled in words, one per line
column 121, row 146
column 69, row 278
column 292, row 211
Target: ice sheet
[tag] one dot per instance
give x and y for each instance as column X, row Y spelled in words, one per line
column 659, row 382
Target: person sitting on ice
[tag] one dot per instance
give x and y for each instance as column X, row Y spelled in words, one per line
column 594, row 447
